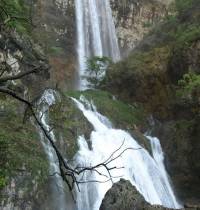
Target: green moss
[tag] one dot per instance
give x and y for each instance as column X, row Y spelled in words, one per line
column 188, row 92
column 183, row 5
column 120, row 114
column 189, row 83
column 56, row 51
column 18, row 12
column 68, row 123
column 20, row 146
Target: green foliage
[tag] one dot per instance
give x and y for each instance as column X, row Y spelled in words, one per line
column 19, row 145
column 14, row 14
column 96, row 68
column 119, row 113
column 188, row 85
column 183, row 5
column 147, row 24
column 3, row 161
column 56, row 50
column 3, row 181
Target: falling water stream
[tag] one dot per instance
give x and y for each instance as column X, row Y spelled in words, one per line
column 96, row 36
column 145, row 172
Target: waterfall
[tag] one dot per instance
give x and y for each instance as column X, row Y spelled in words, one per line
column 145, row 172
column 58, row 193
column 96, row 34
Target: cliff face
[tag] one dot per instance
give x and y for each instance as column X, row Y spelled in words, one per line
column 162, row 75
column 135, row 18
column 55, row 29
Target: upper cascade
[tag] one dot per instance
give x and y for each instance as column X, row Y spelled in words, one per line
column 96, row 35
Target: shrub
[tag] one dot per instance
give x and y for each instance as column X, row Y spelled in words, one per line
column 96, row 68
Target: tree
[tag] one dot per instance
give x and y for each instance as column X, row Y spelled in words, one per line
column 96, row 68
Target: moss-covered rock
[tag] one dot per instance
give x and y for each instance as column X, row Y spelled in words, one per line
column 68, row 123
column 143, row 77
column 23, row 165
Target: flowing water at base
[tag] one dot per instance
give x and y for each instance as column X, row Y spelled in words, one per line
column 145, row 172
column 118, row 149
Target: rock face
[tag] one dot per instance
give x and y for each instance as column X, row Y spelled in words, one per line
column 23, row 166
column 55, row 29
column 18, row 55
column 135, row 18
column 151, row 76
column 124, row 196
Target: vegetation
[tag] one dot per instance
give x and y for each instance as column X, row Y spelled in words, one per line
column 121, row 114
column 56, row 51
column 16, row 15
column 20, row 148
column 189, row 91
column 189, row 83
column 96, row 68
column 151, row 72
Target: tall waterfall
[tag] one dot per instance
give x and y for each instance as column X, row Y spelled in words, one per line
column 96, row 34
column 145, row 172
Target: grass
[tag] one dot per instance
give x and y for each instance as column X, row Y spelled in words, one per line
column 120, row 114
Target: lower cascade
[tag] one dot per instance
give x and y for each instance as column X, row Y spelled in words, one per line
column 129, row 160
column 118, row 150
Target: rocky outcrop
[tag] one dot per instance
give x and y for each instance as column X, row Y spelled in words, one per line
column 19, row 54
column 124, row 196
column 55, row 30
column 135, row 18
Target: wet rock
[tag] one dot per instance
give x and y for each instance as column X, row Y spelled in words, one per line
column 124, row 196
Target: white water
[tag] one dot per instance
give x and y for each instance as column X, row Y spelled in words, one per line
column 57, row 189
column 145, row 172
column 96, row 34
